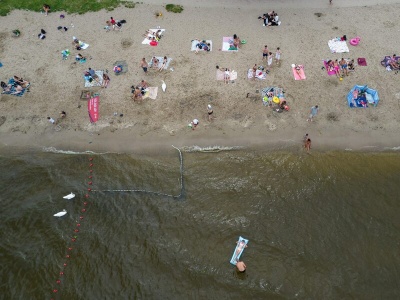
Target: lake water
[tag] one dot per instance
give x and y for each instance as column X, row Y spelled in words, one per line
column 321, row 226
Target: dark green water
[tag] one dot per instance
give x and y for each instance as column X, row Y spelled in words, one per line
column 321, row 226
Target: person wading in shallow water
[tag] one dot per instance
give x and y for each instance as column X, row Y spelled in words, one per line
column 241, row 266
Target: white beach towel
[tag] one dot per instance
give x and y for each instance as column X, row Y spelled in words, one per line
column 232, row 75
column 147, row 39
column 337, row 46
column 259, row 74
column 195, row 42
column 160, row 61
column 151, row 92
column 227, row 44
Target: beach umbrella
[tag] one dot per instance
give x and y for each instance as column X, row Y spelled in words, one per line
column 362, row 96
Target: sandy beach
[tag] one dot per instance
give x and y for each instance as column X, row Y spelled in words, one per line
column 56, row 84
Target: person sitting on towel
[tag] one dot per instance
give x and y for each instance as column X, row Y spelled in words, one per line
column 20, row 81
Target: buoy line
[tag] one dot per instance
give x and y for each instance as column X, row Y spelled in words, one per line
column 152, row 192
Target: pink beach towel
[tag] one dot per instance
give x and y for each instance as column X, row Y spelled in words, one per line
column 302, row 75
column 330, row 73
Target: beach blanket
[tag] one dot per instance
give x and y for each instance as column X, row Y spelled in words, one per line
column 259, row 74
column 149, row 36
column 385, row 62
column 330, row 72
column 95, row 81
column 151, row 92
column 232, row 75
column 240, row 246
column 227, row 44
column 160, row 61
column 123, row 65
column 93, row 109
column 195, row 42
column 13, row 90
column 362, row 61
column 83, row 45
column 272, row 95
column 338, row 46
column 296, row 75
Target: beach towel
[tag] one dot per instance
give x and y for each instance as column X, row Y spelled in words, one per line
column 160, row 61
column 232, row 75
column 338, row 46
column 302, row 75
column 330, row 72
column 81, row 44
column 96, row 81
column 259, row 74
column 362, row 61
column 93, row 109
column 227, row 44
column 147, row 39
column 13, row 90
column 123, row 65
column 151, row 92
column 385, row 62
column 195, row 42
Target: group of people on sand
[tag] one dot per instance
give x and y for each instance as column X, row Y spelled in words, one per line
column 154, row 64
column 113, row 24
column 270, row 19
column 341, row 67
column 17, row 86
column 139, row 91
column 268, row 56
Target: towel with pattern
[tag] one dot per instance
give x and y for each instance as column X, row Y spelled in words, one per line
column 96, row 80
column 149, row 36
column 259, row 74
column 160, row 62
column 13, row 90
column 208, row 44
column 151, row 92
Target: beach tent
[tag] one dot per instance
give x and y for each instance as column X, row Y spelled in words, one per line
column 361, row 96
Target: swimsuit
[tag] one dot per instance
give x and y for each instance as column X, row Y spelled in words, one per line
column 144, row 69
column 265, row 54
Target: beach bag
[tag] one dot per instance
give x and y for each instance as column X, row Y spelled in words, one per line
column 42, row 31
column 122, row 21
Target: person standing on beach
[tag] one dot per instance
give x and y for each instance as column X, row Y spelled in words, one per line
column 307, row 145
column 265, row 53
column 278, row 55
column 112, row 21
column 270, row 58
column 313, row 113
column 144, row 65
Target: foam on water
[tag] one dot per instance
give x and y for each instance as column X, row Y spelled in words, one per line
column 210, row 149
column 70, row 152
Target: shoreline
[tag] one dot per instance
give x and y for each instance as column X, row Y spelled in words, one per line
column 108, row 142
column 156, row 124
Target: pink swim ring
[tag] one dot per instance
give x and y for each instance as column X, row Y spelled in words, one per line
column 355, row 41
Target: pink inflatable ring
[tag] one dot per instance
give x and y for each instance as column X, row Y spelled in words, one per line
column 355, row 41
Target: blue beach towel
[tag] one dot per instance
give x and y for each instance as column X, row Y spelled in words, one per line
column 13, row 90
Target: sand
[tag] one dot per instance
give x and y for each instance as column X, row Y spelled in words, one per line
column 57, row 84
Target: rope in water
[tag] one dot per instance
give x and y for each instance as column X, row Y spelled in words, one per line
column 156, row 193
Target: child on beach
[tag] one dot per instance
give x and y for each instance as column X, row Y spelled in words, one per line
column 270, row 58
column 46, row 9
column 278, row 55
column 265, row 53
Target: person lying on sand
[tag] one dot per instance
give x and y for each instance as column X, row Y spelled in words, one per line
column 21, row 82
column 298, row 70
